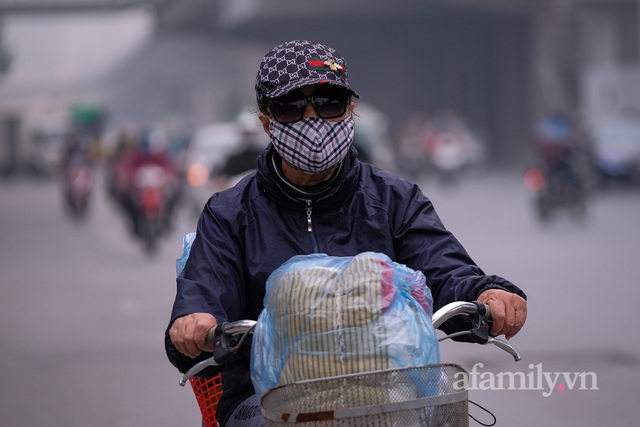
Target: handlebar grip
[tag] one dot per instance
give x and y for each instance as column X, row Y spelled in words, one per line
column 211, row 336
column 487, row 312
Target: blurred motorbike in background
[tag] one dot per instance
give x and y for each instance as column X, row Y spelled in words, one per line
column 77, row 186
column 77, row 174
column 143, row 181
column 151, row 196
column 554, row 192
column 443, row 144
column 562, row 179
column 451, row 153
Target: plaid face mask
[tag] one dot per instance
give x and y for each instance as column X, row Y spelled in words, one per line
column 312, row 145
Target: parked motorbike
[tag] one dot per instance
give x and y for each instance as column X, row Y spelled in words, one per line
column 77, row 186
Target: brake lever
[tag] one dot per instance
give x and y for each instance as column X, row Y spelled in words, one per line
column 481, row 325
column 505, row 346
column 195, row 369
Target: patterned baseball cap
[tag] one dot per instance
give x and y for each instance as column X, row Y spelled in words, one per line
column 298, row 63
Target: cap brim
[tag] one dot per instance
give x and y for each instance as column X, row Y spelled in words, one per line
column 297, row 84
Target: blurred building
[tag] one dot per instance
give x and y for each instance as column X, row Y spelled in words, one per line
column 5, row 58
column 608, row 59
column 503, row 64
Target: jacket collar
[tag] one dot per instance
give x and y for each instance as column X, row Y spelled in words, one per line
column 276, row 189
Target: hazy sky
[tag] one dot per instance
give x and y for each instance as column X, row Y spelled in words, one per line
column 58, row 49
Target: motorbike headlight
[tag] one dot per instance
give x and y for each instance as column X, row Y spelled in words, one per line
column 197, row 175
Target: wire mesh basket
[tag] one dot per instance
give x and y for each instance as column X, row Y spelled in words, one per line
column 207, row 392
column 430, row 395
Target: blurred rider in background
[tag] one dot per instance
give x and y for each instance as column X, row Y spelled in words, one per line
column 126, row 140
column 563, row 149
column 252, row 143
column 152, row 149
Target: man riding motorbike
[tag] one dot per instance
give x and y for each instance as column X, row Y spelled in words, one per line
column 148, row 165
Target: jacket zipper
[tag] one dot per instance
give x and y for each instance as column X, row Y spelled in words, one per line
column 309, row 224
column 309, row 212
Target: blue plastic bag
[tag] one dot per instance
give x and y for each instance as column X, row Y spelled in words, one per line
column 187, row 241
column 327, row 316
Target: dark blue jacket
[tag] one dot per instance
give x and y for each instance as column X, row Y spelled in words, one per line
column 248, row 231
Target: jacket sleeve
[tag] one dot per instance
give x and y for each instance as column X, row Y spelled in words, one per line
column 423, row 243
column 208, row 283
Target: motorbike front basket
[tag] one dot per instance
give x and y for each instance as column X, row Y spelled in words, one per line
column 429, row 395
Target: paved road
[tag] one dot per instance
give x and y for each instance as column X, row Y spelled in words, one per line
column 582, row 284
column 82, row 311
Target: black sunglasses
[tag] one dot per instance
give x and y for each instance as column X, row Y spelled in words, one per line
column 329, row 101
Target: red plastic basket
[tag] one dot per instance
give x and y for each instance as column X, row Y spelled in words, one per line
column 207, row 392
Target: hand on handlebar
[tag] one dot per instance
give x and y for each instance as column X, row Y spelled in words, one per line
column 188, row 333
column 508, row 311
